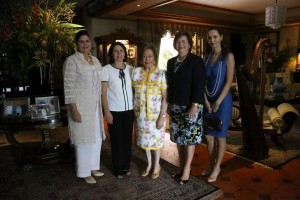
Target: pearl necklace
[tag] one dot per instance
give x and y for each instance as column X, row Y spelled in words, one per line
column 217, row 83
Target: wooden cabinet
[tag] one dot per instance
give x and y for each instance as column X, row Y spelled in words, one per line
column 131, row 42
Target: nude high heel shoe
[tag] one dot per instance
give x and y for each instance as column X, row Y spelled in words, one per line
column 156, row 175
column 145, row 173
column 213, row 179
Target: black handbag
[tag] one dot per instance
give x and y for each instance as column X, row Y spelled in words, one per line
column 212, row 121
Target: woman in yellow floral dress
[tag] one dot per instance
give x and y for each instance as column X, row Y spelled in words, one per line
column 150, row 107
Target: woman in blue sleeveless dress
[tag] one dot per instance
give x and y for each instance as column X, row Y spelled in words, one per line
column 219, row 72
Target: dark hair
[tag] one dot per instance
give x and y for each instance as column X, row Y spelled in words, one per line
column 152, row 47
column 111, row 51
column 183, row 33
column 81, row 33
column 223, row 49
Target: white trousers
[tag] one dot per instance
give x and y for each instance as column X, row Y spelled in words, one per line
column 88, row 155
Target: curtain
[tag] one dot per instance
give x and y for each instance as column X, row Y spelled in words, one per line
column 154, row 31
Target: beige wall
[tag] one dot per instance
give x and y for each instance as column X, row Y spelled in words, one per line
column 106, row 26
column 100, row 27
column 289, row 35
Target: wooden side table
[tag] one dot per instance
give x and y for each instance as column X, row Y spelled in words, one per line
column 46, row 149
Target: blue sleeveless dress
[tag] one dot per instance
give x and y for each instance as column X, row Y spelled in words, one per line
column 216, row 79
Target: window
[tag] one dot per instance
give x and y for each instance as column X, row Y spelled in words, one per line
column 166, row 50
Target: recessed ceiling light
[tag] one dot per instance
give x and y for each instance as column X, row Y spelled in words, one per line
column 138, row 5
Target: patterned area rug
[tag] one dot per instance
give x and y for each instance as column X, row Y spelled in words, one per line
column 58, row 181
column 277, row 156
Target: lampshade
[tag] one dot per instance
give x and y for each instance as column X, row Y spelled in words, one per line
column 275, row 16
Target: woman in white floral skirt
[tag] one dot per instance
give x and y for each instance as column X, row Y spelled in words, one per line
column 150, row 107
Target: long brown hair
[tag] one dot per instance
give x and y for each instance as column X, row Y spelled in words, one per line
column 224, row 51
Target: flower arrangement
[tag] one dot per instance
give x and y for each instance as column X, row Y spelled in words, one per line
column 36, row 35
column 276, row 63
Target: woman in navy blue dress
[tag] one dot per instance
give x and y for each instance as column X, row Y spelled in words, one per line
column 219, row 72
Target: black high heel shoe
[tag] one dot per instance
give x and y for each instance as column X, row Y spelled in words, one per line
column 176, row 176
column 182, row 182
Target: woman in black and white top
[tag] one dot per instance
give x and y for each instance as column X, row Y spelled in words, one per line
column 117, row 101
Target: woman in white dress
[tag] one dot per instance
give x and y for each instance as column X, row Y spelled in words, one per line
column 82, row 88
column 150, row 107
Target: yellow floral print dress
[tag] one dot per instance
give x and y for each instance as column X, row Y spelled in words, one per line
column 147, row 102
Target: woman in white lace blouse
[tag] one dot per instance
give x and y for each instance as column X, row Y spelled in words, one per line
column 82, row 87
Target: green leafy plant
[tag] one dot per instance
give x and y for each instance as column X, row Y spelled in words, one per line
column 280, row 58
column 36, row 35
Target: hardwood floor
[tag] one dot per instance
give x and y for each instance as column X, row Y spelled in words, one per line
column 242, row 179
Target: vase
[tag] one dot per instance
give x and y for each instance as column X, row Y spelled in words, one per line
column 39, row 80
column 279, row 87
column 55, row 82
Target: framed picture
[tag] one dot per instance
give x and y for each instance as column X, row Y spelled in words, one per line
column 131, row 52
column 40, row 111
column 52, row 101
column 16, row 107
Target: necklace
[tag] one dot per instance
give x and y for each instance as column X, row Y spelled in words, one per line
column 88, row 58
column 217, row 83
column 179, row 63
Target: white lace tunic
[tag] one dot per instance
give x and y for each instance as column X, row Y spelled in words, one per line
column 82, row 86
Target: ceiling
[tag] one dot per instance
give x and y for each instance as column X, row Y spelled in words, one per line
column 240, row 10
column 245, row 6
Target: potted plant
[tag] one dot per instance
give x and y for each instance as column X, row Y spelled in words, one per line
column 35, row 35
column 277, row 61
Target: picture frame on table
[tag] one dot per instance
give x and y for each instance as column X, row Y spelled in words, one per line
column 16, row 107
column 40, row 111
column 52, row 101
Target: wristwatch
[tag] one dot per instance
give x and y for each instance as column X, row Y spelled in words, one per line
column 163, row 115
